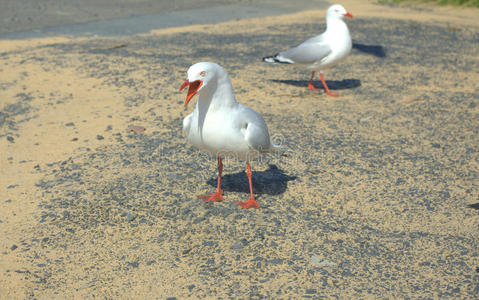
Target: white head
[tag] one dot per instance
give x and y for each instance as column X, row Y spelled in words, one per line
column 337, row 11
column 200, row 76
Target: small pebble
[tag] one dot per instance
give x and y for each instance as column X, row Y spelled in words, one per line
column 276, row 261
column 239, row 245
column 365, row 119
column 135, row 129
column 130, row 217
column 316, row 261
column 208, row 243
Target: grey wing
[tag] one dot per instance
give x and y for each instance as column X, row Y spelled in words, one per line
column 255, row 131
column 308, row 52
column 257, row 137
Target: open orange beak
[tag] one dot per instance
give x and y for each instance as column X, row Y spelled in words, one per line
column 348, row 15
column 193, row 87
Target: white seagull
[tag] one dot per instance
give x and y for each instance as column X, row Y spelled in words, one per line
column 323, row 50
column 222, row 126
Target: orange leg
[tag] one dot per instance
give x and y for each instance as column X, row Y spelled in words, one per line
column 251, row 203
column 310, row 83
column 218, row 196
column 326, row 87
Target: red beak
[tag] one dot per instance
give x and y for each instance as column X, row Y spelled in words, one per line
column 193, row 87
column 348, row 15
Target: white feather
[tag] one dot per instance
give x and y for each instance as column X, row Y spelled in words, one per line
column 221, row 125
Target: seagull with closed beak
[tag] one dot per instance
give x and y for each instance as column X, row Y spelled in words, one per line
column 221, row 126
column 320, row 51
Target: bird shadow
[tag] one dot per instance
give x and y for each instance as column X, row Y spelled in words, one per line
column 474, row 206
column 344, row 84
column 272, row 181
column 376, row 50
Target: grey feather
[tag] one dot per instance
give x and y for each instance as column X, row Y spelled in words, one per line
column 309, row 52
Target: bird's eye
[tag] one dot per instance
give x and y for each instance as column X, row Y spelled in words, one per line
column 203, row 73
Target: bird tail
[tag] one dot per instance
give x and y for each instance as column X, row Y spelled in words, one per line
column 277, row 149
column 277, row 58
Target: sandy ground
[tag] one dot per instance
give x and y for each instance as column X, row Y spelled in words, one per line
column 375, row 198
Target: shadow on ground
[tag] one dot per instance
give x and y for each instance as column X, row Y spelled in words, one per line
column 272, row 181
column 474, row 206
column 376, row 50
column 344, row 84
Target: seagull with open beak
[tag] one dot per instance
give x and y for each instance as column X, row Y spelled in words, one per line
column 222, row 126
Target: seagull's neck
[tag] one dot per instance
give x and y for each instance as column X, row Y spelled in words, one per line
column 217, row 95
column 335, row 26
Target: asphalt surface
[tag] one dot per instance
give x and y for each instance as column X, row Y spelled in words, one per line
column 29, row 18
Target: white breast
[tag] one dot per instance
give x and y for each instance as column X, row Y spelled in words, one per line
column 339, row 40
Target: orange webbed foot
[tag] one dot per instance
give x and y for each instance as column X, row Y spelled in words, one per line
column 312, row 87
column 333, row 94
column 216, row 197
column 251, row 203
